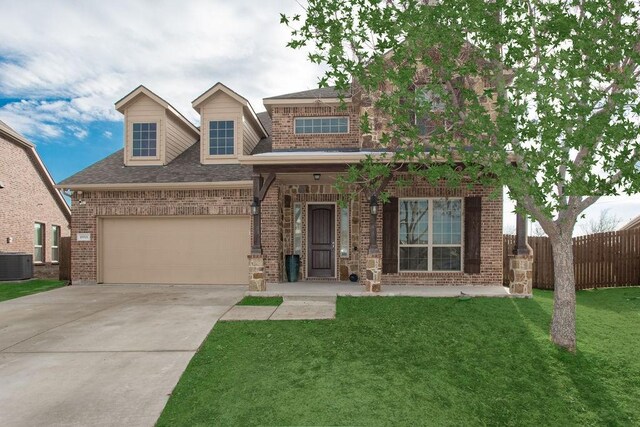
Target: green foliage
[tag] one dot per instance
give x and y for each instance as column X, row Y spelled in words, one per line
column 559, row 99
column 10, row 290
column 419, row 361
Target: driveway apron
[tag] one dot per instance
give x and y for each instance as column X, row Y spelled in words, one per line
column 104, row 355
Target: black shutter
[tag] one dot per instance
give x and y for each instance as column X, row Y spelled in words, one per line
column 390, row 236
column 472, row 231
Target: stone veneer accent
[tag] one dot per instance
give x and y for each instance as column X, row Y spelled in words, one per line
column 521, row 274
column 373, row 278
column 84, row 218
column 256, row 273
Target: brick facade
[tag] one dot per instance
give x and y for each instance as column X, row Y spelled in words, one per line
column 284, row 137
column 26, row 199
column 278, row 229
column 88, row 206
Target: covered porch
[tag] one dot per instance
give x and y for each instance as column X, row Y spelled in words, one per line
column 296, row 211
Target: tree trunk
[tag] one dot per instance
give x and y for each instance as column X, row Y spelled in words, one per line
column 563, row 325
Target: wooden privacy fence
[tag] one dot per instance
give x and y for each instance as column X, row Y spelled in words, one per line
column 65, row 259
column 600, row 260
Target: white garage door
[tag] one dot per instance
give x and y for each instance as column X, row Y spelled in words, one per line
column 196, row 250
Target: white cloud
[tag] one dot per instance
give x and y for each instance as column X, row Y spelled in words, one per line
column 107, row 134
column 78, row 132
column 70, row 63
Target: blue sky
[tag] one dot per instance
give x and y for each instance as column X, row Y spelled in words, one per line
column 63, row 65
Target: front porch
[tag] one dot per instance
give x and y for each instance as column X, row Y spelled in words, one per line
column 323, row 288
column 297, row 212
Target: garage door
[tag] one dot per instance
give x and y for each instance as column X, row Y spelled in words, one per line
column 202, row 250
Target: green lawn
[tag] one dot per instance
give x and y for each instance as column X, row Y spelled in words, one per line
column 273, row 301
column 10, row 290
column 414, row 361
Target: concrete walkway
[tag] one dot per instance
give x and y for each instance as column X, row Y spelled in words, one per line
column 292, row 308
column 304, row 288
column 105, row 355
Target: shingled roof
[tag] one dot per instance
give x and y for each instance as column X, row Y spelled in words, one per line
column 186, row 168
column 320, row 93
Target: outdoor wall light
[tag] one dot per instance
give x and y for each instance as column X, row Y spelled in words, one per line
column 374, row 205
column 316, row 176
column 255, row 207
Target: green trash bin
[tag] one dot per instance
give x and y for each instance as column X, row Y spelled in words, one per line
column 292, row 267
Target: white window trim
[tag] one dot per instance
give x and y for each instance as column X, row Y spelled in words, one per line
column 322, row 117
column 35, row 245
column 53, row 233
column 430, row 245
column 130, row 133
column 211, row 158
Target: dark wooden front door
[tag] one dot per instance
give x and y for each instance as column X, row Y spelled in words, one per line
column 321, row 241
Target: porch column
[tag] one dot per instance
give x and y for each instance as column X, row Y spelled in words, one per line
column 373, row 229
column 372, row 282
column 521, row 247
column 521, row 261
column 256, row 244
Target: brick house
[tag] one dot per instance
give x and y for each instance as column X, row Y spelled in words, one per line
column 182, row 204
column 33, row 213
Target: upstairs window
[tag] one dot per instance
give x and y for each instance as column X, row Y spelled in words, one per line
column 221, row 138
column 306, row 125
column 433, row 103
column 145, row 138
column 38, row 243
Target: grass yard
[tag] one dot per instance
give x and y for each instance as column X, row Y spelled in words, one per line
column 11, row 290
column 262, row 301
column 415, row 361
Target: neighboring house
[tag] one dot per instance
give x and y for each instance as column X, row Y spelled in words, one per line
column 631, row 225
column 33, row 213
column 181, row 204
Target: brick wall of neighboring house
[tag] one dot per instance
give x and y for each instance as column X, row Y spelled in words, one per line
column 278, row 231
column 284, row 137
column 25, row 200
column 140, row 204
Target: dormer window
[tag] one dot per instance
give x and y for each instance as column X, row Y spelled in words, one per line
column 221, row 138
column 145, row 139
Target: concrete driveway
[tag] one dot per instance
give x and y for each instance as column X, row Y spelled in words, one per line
column 101, row 355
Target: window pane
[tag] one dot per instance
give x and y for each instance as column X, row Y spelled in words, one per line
column 144, row 139
column 38, row 255
column 447, row 220
column 55, row 254
column 321, row 125
column 344, row 232
column 55, row 236
column 297, row 228
column 413, row 259
column 446, row 259
column 414, row 222
column 221, row 137
column 38, row 235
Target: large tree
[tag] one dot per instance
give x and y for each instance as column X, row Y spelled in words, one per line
column 541, row 96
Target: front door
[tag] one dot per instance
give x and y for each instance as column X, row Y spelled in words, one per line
column 321, row 241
